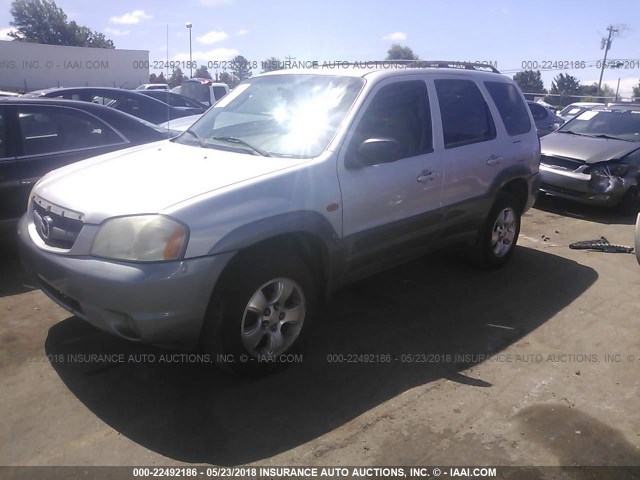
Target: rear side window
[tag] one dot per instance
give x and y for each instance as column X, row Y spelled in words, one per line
column 50, row 130
column 465, row 115
column 511, row 107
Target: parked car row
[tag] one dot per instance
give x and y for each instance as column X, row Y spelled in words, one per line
column 139, row 104
column 47, row 129
column 40, row 135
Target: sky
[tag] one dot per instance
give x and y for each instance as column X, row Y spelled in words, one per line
column 508, row 32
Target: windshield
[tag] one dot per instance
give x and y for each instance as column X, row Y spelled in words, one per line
column 621, row 124
column 279, row 115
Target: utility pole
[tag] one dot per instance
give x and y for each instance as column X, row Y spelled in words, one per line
column 189, row 25
column 605, row 45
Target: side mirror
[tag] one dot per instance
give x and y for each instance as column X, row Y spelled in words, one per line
column 374, row 151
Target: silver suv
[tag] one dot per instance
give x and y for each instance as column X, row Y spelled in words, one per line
column 294, row 184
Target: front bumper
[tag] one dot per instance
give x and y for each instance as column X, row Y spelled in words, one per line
column 578, row 187
column 161, row 303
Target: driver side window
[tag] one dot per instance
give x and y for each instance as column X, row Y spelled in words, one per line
column 398, row 112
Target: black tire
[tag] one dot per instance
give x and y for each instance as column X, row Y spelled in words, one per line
column 229, row 319
column 486, row 253
column 630, row 203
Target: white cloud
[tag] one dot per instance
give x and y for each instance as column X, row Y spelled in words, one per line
column 116, row 32
column 242, row 32
column 212, row 37
column 203, row 57
column 395, row 36
column 4, row 33
column 131, row 18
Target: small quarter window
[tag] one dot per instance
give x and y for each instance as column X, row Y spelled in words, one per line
column 511, row 107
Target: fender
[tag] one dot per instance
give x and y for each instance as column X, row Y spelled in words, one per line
column 506, row 175
column 292, row 222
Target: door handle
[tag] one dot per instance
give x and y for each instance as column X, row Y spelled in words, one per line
column 494, row 160
column 426, row 175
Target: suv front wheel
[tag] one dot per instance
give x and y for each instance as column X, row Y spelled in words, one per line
column 498, row 237
column 261, row 310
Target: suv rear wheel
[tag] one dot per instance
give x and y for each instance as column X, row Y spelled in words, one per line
column 261, row 310
column 498, row 237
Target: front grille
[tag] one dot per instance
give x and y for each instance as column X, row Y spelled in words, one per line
column 55, row 229
column 560, row 162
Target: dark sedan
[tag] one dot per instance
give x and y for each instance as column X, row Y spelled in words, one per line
column 37, row 136
column 128, row 101
column 176, row 100
column 595, row 159
column 546, row 119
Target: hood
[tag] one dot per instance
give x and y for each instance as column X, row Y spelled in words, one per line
column 180, row 124
column 149, row 178
column 587, row 149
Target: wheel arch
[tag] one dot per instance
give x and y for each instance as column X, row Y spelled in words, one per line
column 516, row 181
column 519, row 189
column 306, row 234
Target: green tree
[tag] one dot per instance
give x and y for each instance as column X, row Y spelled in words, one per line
column 636, row 91
column 530, row 81
column 226, row 77
column 160, row 78
column 176, row 78
column 42, row 21
column 567, row 87
column 398, row 52
column 202, row 72
column 271, row 64
column 241, row 68
column 152, row 78
column 590, row 93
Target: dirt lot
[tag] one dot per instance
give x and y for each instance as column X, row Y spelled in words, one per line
column 511, row 369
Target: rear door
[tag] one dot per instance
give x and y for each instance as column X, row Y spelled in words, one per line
column 471, row 151
column 486, row 132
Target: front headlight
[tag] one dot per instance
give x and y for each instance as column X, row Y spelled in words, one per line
column 142, row 238
column 609, row 169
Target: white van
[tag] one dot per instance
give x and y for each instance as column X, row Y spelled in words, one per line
column 153, row 86
column 204, row 90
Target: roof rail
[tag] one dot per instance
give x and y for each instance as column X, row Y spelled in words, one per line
column 480, row 66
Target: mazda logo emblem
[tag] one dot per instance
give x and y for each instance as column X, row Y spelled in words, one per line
column 45, row 226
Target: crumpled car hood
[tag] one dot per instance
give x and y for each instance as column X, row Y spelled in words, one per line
column 587, row 149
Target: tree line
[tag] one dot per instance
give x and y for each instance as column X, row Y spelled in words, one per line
column 565, row 89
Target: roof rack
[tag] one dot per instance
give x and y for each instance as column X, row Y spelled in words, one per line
column 480, row 66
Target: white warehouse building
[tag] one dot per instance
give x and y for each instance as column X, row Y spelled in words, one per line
column 30, row 66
